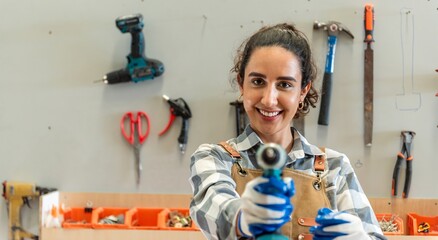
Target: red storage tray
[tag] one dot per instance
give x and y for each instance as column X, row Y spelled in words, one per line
column 396, row 219
column 414, row 220
column 101, row 213
column 77, row 217
column 163, row 218
column 143, row 218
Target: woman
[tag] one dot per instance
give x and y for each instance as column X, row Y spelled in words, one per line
column 275, row 74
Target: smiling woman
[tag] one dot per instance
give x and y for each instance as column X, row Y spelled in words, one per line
column 231, row 199
column 271, row 92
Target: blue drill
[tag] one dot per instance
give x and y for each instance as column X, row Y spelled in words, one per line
column 139, row 67
column 271, row 158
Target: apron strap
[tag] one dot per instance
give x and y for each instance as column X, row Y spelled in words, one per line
column 233, row 153
column 319, row 161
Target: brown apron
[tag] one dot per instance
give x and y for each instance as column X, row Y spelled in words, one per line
column 310, row 193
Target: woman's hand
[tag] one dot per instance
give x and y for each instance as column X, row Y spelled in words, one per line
column 266, row 205
column 337, row 225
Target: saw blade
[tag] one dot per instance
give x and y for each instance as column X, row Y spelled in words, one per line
column 368, row 95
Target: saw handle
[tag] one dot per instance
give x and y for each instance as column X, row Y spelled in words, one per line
column 369, row 23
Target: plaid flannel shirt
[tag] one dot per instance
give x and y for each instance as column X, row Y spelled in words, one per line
column 215, row 202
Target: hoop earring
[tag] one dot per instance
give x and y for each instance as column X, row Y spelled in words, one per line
column 300, row 105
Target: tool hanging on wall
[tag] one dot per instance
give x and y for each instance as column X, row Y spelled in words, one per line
column 369, row 74
column 241, row 117
column 404, row 154
column 16, row 194
column 135, row 135
column 139, row 67
column 436, row 94
column 179, row 108
column 333, row 29
column 407, row 100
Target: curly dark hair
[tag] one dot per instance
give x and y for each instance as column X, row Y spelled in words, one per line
column 288, row 37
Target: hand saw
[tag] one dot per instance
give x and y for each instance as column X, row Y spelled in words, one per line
column 368, row 74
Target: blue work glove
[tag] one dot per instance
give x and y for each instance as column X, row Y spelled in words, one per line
column 338, row 225
column 265, row 206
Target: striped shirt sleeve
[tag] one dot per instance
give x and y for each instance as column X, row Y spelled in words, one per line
column 215, row 201
column 348, row 195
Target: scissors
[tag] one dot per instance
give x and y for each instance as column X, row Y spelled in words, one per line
column 135, row 136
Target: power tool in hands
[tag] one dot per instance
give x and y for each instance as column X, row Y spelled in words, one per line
column 139, row 67
column 17, row 194
column 271, row 157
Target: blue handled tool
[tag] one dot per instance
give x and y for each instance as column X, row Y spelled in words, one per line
column 271, row 158
column 333, row 28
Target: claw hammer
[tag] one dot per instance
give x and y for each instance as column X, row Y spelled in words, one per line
column 333, row 29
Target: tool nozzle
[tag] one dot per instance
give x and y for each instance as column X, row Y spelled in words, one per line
column 182, row 148
column 105, row 79
column 166, row 97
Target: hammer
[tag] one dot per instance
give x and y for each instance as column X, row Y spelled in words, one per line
column 333, row 28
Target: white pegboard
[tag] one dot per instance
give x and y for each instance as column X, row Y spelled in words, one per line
column 59, row 129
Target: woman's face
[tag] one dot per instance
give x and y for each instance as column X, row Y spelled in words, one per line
column 271, row 92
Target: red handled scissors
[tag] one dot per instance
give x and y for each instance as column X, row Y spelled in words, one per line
column 135, row 135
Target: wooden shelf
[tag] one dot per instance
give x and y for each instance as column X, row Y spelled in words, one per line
column 107, row 234
column 401, row 207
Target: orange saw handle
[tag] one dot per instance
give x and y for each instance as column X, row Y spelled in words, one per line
column 369, row 23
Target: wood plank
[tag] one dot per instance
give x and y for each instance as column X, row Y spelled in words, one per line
column 114, row 234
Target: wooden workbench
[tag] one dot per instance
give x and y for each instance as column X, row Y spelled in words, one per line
column 427, row 207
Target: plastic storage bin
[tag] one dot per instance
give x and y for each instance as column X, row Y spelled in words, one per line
column 398, row 221
column 77, row 217
column 164, row 218
column 99, row 214
column 143, row 218
column 414, row 220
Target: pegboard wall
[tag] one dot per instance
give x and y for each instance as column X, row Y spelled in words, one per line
column 58, row 128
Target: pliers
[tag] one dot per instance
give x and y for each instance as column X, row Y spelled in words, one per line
column 404, row 154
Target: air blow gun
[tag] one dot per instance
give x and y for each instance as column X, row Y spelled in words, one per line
column 271, row 158
column 139, row 67
column 179, row 108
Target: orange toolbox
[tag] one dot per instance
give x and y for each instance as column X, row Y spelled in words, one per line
column 391, row 218
column 77, row 217
column 422, row 225
column 109, row 218
column 143, row 218
column 179, row 215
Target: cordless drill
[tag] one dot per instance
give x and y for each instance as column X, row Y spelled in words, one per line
column 271, row 158
column 139, row 67
column 17, row 194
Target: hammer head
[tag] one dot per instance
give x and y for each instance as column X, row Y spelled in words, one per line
column 333, row 28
